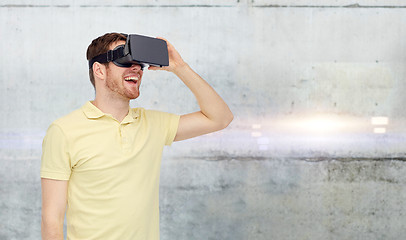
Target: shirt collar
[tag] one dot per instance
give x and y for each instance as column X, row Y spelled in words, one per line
column 92, row 112
column 131, row 116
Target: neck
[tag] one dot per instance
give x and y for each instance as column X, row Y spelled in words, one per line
column 117, row 107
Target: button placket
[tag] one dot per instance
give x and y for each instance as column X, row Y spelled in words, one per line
column 124, row 138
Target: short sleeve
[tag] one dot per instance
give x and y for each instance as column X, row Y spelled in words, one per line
column 172, row 124
column 55, row 161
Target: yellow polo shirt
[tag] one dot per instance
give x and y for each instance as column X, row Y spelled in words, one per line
column 112, row 168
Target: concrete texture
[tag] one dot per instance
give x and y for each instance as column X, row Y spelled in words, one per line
column 306, row 156
column 283, row 199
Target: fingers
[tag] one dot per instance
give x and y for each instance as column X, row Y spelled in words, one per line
column 154, row 68
column 163, row 39
column 167, row 42
column 174, row 58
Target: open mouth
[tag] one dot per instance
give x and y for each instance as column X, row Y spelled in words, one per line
column 132, row 79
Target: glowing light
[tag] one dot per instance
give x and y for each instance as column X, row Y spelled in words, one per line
column 256, row 134
column 320, row 125
column 256, row 126
column 379, row 130
column 379, row 120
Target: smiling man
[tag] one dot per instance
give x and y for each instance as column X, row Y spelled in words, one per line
column 101, row 162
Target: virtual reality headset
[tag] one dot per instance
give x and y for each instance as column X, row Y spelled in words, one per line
column 138, row 49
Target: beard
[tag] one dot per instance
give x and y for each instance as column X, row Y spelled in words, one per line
column 118, row 88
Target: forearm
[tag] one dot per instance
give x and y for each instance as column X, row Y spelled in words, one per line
column 52, row 229
column 210, row 103
column 54, row 198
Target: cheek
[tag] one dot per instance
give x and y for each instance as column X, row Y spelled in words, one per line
column 113, row 79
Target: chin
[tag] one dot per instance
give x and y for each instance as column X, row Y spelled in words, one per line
column 131, row 94
column 134, row 97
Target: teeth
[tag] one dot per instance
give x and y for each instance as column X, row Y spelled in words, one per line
column 131, row 78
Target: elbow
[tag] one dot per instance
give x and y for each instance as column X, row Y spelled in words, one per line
column 52, row 227
column 230, row 119
column 227, row 120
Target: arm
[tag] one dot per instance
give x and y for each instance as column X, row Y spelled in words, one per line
column 214, row 113
column 54, row 198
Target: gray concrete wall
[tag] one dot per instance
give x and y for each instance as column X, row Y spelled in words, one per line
column 317, row 147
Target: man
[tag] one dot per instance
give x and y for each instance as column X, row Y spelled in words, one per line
column 102, row 161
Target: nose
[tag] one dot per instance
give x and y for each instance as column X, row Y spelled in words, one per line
column 136, row 66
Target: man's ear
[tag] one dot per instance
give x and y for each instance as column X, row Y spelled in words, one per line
column 99, row 71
